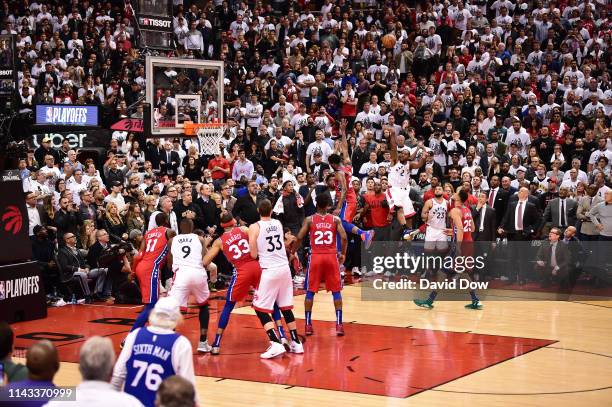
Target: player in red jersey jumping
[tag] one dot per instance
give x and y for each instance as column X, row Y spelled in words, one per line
column 324, row 262
column 234, row 243
column 148, row 264
column 462, row 226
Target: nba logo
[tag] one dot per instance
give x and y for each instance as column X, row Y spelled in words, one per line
column 49, row 115
column 2, row 295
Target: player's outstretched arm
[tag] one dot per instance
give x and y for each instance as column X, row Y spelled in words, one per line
column 343, row 239
column 425, row 211
column 302, row 233
column 393, row 147
column 170, row 253
column 343, row 141
column 253, row 234
column 212, row 253
column 342, row 181
column 457, row 223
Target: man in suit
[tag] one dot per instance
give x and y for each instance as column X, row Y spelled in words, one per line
column 210, row 214
column 36, row 214
column 561, row 211
column 93, row 257
column 153, row 154
column 485, row 220
column 72, row 266
column 520, row 223
column 169, row 161
column 485, row 229
column 497, row 199
column 553, row 259
column 588, row 232
column 578, row 256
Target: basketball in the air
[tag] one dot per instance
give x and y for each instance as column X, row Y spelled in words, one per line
column 389, row 41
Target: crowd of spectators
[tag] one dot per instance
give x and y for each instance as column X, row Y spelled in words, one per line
column 491, row 97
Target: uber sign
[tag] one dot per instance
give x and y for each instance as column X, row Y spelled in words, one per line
column 79, row 139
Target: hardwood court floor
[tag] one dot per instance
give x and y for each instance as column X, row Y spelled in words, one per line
column 517, row 353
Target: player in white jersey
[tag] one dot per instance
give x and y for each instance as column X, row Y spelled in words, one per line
column 434, row 213
column 398, row 195
column 189, row 275
column 267, row 241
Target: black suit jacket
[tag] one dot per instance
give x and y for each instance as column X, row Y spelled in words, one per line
column 69, row 262
column 489, row 227
column 169, row 167
column 210, row 214
column 501, row 204
column 94, row 253
column 152, row 153
column 562, row 256
column 530, row 221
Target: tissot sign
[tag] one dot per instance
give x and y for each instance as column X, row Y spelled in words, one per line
column 155, row 23
column 67, row 115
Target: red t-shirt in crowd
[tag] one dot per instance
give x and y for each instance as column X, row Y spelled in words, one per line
column 377, row 215
column 221, row 163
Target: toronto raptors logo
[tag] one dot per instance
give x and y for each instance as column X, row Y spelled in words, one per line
column 13, row 219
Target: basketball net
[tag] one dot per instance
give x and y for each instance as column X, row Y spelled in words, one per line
column 209, row 136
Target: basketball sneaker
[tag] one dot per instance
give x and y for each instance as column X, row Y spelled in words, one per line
column 215, row 350
column 339, row 329
column 275, row 349
column 308, row 330
column 204, row 347
column 285, row 343
column 474, row 305
column 295, row 347
column 367, row 237
column 355, row 271
column 424, row 303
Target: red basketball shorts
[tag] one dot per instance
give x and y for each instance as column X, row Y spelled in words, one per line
column 245, row 277
column 348, row 211
column 323, row 267
column 147, row 274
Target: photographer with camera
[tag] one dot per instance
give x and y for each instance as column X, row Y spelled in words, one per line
column 116, row 258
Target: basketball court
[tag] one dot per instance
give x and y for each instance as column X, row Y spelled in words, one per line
column 511, row 353
column 536, row 353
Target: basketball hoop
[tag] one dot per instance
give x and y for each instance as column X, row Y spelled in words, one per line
column 209, row 135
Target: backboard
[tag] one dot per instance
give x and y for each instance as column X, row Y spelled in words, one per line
column 182, row 90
